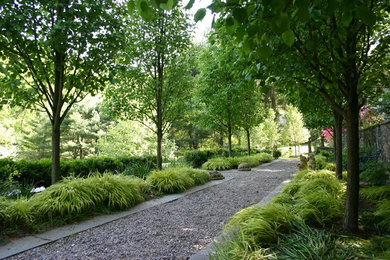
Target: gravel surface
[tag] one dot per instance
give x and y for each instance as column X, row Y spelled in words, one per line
column 174, row 230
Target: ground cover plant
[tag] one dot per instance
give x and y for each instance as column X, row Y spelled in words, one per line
column 303, row 222
column 226, row 163
column 76, row 198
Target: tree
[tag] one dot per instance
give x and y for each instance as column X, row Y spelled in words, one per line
column 56, row 52
column 293, row 131
column 337, row 41
column 268, row 131
column 217, row 91
column 154, row 79
column 82, row 128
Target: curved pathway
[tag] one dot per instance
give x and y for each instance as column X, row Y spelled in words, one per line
column 173, row 230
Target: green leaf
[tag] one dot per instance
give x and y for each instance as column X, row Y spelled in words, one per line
column 239, row 14
column 147, row 13
column 365, row 15
column 347, row 18
column 229, row 21
column 200, row 14
column 283, row 22
column 190, row 4
column 130, row 6
column 264, row 52
column 288, row 37
column 168, row 5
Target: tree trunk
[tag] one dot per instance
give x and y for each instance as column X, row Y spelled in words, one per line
column 230, row 140
column 338, row 146
column 322, row 141
column 159, row 149
column 248, row 140
column 352, row 203
column 55, row 152
column 309, row 145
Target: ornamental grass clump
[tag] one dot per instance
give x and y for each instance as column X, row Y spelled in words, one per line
column 169, row 181
column 218, row 163
column 261, row 225
column 319, row 209
column 78, row 195
column 383, row 215
column 331, row 186
column 199, row 176
column 376, row 193
column 68, row 197
column 305, row 242
column 263, row 157
column 118, row 191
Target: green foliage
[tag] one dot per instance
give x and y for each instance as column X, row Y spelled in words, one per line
column 37, row 172
column 261, row 225
column 170, row 180
column 332, row 187
column 15, row 214
column 306, row 242
column 319, row 209
column 376, row 193
column 218, row 163
column 294, row 132
column 321, row 162
column 276, row 153
column 199, row 176
column 375, row 173
column 196, row 157
column 330, row 167
column 380, row 247
column 383, row 215
column 77, row 195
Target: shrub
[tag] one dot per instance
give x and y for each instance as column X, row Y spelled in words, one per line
column 38, row 172
column 376, row 193
column 375, row 173
column 196, row 158
column 320, row 162
column 169, row 181
column 217, row 164
column 276, row 153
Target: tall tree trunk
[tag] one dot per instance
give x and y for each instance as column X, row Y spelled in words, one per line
column 159, row 150
column 55, row 152
column 230, row 140
column 322, row 141
column 352, row 203
column 248, row 140
column 338, row 146
column 309, row 145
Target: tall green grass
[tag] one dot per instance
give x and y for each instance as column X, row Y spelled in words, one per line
column 376, row 193
column 218, row 163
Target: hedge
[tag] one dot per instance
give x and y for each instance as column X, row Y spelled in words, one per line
column 38, row 172
column 196, row 158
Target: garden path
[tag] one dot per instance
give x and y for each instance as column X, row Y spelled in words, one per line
column 174, row 230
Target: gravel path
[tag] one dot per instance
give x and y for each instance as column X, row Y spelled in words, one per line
column 173, row 230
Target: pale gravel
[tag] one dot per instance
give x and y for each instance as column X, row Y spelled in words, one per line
column 174, row 230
